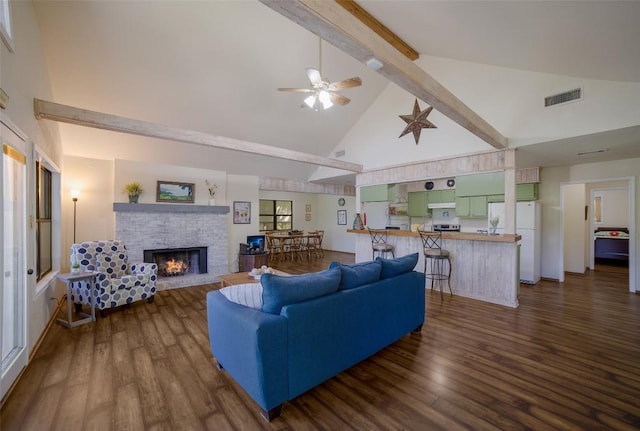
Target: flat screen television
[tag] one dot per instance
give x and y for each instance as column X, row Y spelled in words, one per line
column 256, row 243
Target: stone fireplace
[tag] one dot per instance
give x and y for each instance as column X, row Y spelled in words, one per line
column 148, row 228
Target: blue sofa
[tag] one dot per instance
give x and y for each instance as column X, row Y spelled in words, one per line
column 306, row 329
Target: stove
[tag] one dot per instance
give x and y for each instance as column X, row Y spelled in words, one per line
column 446, row 227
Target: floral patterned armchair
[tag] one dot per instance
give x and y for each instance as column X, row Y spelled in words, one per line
column 117, row 282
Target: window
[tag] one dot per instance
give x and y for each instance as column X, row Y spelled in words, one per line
column 6, row 32
column 43, row 221
column 276, row 215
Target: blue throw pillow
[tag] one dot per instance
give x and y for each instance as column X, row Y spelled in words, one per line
column 278, row 291
column 358, row 274
column 397, row 266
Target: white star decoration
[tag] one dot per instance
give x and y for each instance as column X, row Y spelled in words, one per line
column 417, row 121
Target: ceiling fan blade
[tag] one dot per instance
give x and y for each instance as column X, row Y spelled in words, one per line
column 346, row 83
column 339, row 98
column 298, row 90
column 314, row 75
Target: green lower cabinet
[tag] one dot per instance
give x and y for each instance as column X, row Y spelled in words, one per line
column 471, row 207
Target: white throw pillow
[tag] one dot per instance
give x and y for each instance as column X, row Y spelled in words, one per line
column 249, row 294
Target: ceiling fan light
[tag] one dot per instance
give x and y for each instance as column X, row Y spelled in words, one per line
column 325, row 98
column 310, row 101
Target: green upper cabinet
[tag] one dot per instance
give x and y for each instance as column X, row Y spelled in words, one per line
column 471, row 207
column 418, row 204
column 480, row 184
column 527, row 192
column 441, row 196
column 524, row 192
column 379, row 193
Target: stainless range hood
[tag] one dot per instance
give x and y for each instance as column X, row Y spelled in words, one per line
column 442, row 205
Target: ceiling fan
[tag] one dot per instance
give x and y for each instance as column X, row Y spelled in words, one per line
column 324, row 94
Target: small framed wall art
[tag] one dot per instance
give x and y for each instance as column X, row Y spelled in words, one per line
column 241, row 212
column 174, row 192
column 307, row 208
column 342, row 217
column 307, row 217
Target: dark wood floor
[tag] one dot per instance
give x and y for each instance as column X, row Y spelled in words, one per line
column 567, row 358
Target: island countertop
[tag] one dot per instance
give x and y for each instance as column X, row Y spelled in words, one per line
column 469, row 236
column 483, row 266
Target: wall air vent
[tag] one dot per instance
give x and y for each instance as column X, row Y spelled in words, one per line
column 340, row 153
column 567, row 96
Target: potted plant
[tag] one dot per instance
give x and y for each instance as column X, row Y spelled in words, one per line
column 134, row 190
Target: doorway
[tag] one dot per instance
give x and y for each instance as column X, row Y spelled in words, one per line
column 583, row 214
column 13, row 289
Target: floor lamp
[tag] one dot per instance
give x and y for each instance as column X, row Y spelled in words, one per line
column 74, row 197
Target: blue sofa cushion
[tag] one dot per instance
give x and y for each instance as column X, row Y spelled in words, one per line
column 248, row 294
column 397, row 266
column 358, row 274
column 278, row 291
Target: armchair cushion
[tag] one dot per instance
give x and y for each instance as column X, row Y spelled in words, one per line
column 114, row 264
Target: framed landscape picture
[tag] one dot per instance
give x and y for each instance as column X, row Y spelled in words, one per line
column 174, row 192
column 241, row 212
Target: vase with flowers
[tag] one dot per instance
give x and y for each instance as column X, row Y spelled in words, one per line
column 493, row 221
column 212, row 187
column 133, row 190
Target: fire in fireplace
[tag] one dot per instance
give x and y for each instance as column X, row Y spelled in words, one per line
column 178, row 261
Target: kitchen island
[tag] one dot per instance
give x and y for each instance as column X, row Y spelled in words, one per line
column 484, row 267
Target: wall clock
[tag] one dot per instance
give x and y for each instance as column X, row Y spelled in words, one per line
column 341, row 202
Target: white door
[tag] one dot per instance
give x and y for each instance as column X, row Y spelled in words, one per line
column 14, row 277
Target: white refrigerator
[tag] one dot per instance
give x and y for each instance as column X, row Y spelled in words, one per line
column 528, row 227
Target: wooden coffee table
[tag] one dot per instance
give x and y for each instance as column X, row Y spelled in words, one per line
column 242, row 278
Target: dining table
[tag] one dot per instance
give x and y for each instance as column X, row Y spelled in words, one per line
column 297, row 245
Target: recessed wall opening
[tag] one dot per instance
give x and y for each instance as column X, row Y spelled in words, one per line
column 174, row 262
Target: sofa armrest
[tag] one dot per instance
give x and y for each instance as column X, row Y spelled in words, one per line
column 252, row 347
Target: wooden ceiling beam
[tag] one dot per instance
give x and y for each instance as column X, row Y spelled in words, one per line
column 334, row 24
column 82, row 117
column 370, row 21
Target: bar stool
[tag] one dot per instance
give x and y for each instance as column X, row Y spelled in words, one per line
column 434, row 259
column 379, row 243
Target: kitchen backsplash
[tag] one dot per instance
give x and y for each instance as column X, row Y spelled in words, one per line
column 378, row 218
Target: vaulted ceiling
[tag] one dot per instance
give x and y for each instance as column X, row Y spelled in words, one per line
column 214, row 66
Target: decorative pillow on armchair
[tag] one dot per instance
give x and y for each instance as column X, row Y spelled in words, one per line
column 114, row 264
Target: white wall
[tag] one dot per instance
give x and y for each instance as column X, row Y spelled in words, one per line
column 573, row 205
column 95, row 219
column 615, row 207
column 511, row 100
column 148, row 174
column 241, row 188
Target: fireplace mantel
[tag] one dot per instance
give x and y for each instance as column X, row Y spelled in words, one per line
column 170, row 208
